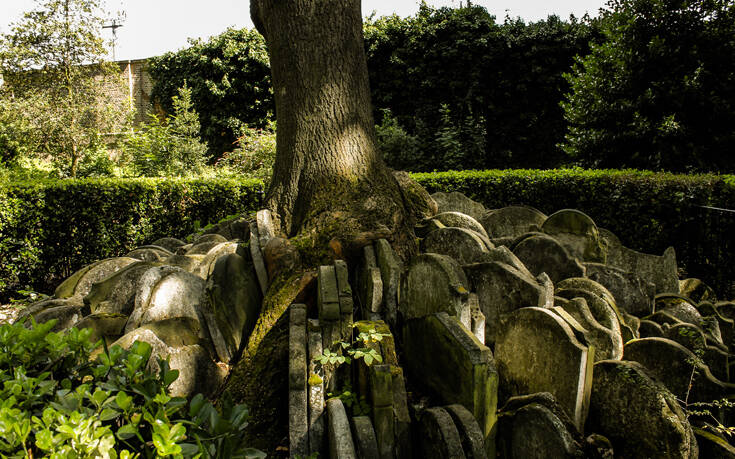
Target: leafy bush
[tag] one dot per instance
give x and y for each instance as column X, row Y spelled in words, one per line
column 229, row 78
column 399, row 149
column 657, row 93
column 170, row 147
column 254, row 154
column 56, row 400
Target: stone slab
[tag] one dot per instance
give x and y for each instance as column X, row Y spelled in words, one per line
column 363, row 435
column 298, row 423
column 448, row 360
column 473, row 442
column 439, row 435
column 256, row 253
column 434, row 283
column 328, row 294
column 340, row 437
column 463, row 245
column 390, row 272
column 512, row 221
column 537, row 351
column 317, row 427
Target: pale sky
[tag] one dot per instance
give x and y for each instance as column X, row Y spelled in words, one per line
column 153, row 27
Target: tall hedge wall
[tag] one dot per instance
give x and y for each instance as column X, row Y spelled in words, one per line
column 49, row 229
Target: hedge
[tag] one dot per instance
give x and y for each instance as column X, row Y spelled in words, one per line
column 49, row 229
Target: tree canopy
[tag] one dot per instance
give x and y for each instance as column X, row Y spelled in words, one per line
column 659, row 91
column 56, row 83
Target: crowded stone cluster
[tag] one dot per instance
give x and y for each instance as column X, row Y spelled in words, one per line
column 511, row 334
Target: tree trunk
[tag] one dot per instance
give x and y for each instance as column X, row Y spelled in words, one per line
column 328, row 177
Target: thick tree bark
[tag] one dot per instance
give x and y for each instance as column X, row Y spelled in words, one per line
column 328, row 175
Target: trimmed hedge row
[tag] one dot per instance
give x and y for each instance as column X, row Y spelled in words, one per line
column 49, row 229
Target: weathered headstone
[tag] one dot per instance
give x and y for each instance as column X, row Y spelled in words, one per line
column 660, row 270
column 632, row 293
column 176, row 294
column 535, row 431
column 390, row 272
column 470, row 435
column 257, row 255
column 149, row 253
column 266, row 229
column 340, row 437
column 608, row 344
column 79, row 283
column 679, row 369
column 537, row 351
column 317, row 426
column 381, row 395
column 512, row 221
column 363, row 436
column 439, row 435
column 169, row 243
column 697, row 290
column 115, row 294
column 542, row 253
column 477, row 318
column 460, row 220
column 434, row 283
column 457, row 202
column 233, row 298
column 346, row 303
column 577, row 233
column 369, row 285
column 500, row 289
column 298, row 416
column 638, row 415
column 463, row 245
column 447, row 359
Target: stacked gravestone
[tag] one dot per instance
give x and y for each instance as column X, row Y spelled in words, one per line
column 298, row 397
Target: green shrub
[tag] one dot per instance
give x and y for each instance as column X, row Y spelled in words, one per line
column 168, row 147
column 57, row 401
column 49, row 229
column 254, row 154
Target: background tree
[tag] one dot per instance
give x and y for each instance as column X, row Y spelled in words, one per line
column 230, row 84
column 56, row 79
column 659, row 92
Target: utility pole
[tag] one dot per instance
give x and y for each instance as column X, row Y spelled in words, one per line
column 114, row 26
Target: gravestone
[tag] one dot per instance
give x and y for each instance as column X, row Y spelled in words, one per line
column 632, row 293
column 463, row 245
column 660, row 270
column 639, row 416
column 447, row 359
column 470, row 435
column 233, row 304
column 542, row 253
column 434, row 283
column 512, row 221
column 80, row 283
column 298, row 416
column 363, row 435
column 457, row 202
column 256, row 253
column 500, row 289
column 317, row 426
column 608, row 344
column 577, row 233
column 439, row 435
column 460, row 220
column 390, row 273
column 340, row 437
column 537, row 351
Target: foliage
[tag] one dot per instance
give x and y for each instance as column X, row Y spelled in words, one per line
column 50, row 228
column 229, row 78
column 474, row 93
column 659, row 92
column 56, row 84
column 398, row 148
column 254, row 154
column 170, row 148
column 59, row 401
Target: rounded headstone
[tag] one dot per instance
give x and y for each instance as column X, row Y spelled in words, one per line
column 578, row 233
column 512, row 221
column 463, row 245
column 457, row 202
column 439, row 435
column 542, row 253
column 460, row 220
